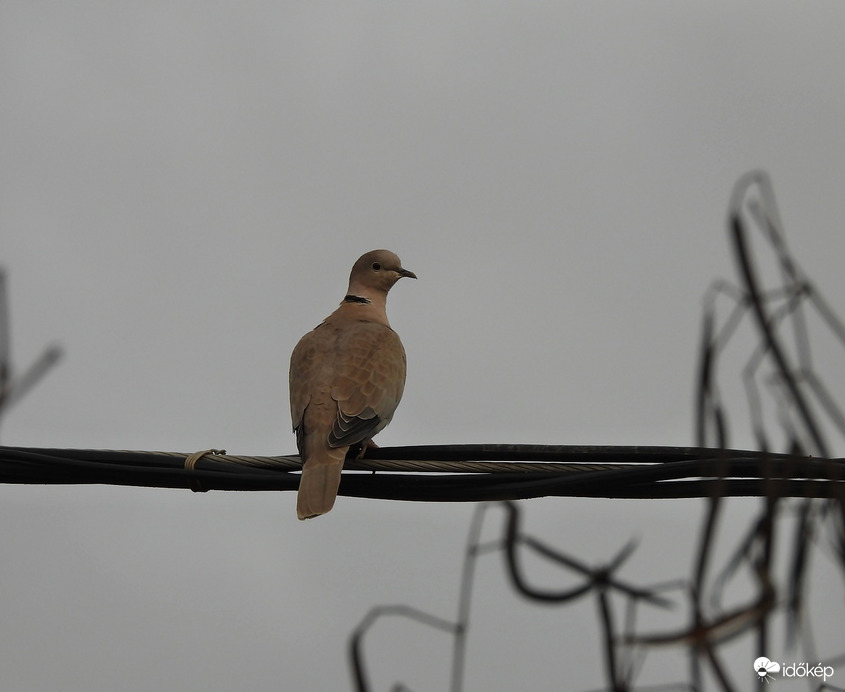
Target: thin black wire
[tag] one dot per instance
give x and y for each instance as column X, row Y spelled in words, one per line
column 630, row 472
column 13, row 387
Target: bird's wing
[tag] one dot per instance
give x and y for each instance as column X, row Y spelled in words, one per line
column 306, row 361
column 369, row 378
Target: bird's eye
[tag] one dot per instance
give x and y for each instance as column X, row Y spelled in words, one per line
column 376, row 266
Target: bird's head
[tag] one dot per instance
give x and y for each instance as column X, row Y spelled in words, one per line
column 376, row 270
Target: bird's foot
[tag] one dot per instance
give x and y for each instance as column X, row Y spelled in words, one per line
column 367, row 444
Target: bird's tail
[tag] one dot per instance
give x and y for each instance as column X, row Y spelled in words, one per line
column 319, row 482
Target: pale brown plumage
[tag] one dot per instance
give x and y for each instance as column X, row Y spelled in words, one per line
column 346, row 380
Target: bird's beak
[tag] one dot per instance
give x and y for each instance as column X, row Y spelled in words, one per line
column 406, row 273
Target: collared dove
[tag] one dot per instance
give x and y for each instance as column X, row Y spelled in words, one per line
column 346, row 379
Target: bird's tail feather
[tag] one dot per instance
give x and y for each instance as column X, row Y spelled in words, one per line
column 319, row 483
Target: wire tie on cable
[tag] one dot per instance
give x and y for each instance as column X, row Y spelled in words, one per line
column 191, row 465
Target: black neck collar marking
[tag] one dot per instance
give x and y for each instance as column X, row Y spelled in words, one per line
column 355, row 299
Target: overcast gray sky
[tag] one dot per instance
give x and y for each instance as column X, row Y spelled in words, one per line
column 183, row 189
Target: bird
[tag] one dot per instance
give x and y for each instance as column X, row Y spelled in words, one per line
column 346, row 378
